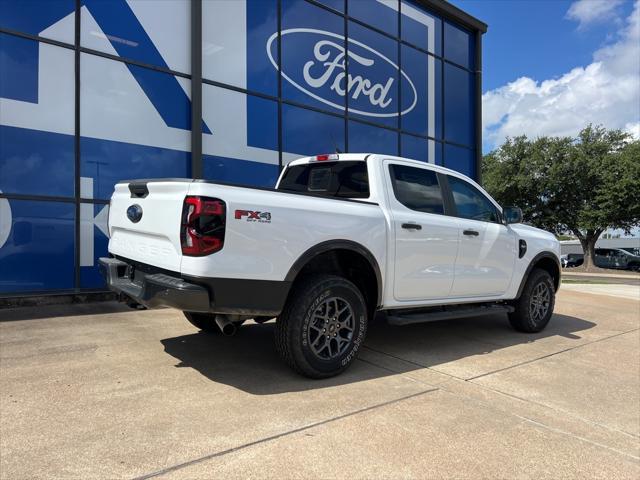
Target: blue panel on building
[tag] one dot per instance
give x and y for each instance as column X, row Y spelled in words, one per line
column 280, row 80
column 33, row 162
column 38, row 253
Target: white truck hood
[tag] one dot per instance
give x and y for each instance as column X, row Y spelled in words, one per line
column 541, row 238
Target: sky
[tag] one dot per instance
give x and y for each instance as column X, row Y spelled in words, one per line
column 550, row 67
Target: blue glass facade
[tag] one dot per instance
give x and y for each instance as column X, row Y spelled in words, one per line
column 280, row 79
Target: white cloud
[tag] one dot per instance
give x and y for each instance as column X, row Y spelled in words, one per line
column 633, row 129
column 607, row 92
column 589, row 12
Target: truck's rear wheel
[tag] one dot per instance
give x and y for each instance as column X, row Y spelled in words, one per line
column 322, row 326
column 203, row 321
column 535, row 305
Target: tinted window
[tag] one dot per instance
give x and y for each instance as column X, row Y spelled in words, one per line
column 459, row 105
column 331, row 179
column 417, row 189
column 459, row 46
column 470, row 203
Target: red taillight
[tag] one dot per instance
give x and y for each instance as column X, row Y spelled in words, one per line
column 203, row 226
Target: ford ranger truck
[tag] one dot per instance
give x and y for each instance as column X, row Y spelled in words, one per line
column 339, row 238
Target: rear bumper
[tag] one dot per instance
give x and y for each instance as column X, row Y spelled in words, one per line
column 154, row 287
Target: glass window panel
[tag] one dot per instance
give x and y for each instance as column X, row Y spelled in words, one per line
column 306, row 132
column 240, row 172
column 373, row 69
column 54, row 19
column 36, row 121
column 459, row 109
column 420, row 28
column 242, row 147
column 381, row 15
column 417, row 189
column 437, row 151
column 131, row 129
column 93, row 243
column 156, row 33
column 471, row 203
column 415, row 148
column 41, row 233
column 459, row 46
column 460, row 159
column 421, row 97
column 312, row 61
column 236, row 37
column 330, row 179
column 335, row 4
column 368, row 139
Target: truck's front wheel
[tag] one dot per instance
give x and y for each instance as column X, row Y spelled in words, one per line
column 534, row 308
column 322, row 326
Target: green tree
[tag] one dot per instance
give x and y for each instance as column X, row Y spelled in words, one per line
column 583, row 185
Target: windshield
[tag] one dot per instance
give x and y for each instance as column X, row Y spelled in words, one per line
column 347, row 179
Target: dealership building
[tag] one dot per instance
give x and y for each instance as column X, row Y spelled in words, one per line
column 97, row 91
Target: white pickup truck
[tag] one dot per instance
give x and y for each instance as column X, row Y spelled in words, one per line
column 341, row 237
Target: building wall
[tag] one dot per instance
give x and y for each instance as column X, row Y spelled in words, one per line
column 573, row 246
column 94, row 92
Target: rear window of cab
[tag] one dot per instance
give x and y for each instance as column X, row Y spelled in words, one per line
column 346, row 179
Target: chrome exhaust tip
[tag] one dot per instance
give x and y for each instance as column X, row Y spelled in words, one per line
column 226, row 326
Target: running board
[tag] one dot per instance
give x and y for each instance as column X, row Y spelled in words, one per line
column 407, row 317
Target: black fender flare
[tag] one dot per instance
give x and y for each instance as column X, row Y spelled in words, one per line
column 532, row 264
column 329, row 245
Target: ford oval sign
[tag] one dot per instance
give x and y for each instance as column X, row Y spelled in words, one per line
column 134, row 213
column 367, row 77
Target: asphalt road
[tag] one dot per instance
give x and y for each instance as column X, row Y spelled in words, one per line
column 97, row 391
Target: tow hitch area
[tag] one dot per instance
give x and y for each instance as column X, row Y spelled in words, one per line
column 153, row 289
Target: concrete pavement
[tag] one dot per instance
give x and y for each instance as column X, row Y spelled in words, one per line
column 100, row 391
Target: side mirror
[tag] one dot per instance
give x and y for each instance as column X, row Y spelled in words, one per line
column 512, row 215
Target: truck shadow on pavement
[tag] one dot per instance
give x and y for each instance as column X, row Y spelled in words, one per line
column 248, row 360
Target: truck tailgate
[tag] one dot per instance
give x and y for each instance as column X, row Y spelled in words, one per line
column 154, row 237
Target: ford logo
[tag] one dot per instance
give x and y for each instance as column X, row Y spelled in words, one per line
column 370, row 83
column 134, row 213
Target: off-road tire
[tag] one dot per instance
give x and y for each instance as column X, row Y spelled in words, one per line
column 293, row 333
column 203, row 321
column 527, row 317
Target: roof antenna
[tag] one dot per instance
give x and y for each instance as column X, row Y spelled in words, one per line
column 335, row 144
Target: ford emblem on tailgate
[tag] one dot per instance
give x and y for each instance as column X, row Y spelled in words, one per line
column 134, row 213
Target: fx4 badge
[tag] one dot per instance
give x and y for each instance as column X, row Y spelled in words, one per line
column 260, row 217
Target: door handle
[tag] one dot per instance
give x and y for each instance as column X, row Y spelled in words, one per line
column 472, row 233
column 412, row 226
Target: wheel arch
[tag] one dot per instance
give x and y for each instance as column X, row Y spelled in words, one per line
column 546, row 261
column 339, row 255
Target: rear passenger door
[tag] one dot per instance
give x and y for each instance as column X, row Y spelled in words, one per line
column 604, row 258
column 487, row 250
column 426, row 240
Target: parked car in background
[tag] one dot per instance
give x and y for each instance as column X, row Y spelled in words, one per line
column 572, row 260
column 617, row 258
